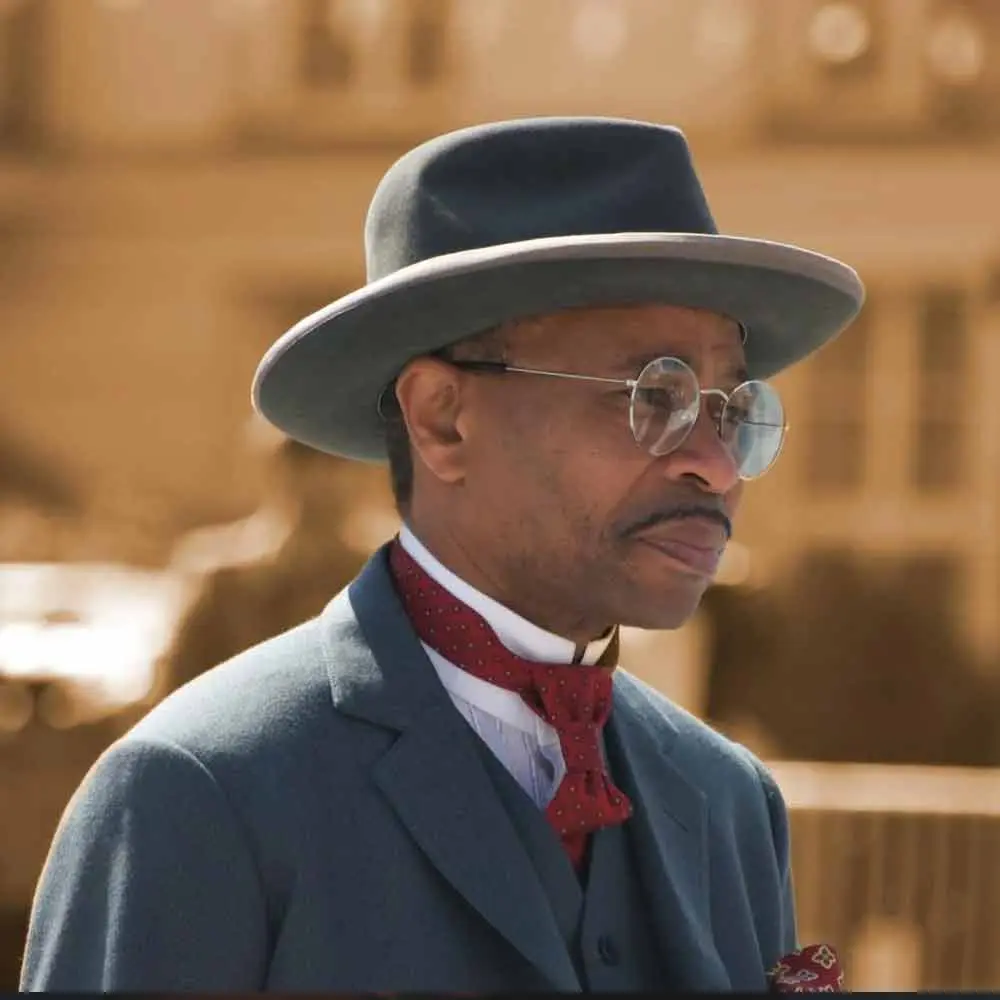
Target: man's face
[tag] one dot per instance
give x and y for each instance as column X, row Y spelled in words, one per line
column 572, row 522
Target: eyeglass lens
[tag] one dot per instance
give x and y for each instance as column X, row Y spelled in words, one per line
column 666, row 403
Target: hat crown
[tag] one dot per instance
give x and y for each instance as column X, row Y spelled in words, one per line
column 529, row 179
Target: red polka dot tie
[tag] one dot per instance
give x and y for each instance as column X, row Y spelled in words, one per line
column 574, row 699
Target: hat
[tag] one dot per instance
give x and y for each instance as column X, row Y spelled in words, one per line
column 514, row 219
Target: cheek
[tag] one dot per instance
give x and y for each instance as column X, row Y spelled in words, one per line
column 590, row 484
column 564, row 467
column 515, row 476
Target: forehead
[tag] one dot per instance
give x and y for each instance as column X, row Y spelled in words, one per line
column 624, row 338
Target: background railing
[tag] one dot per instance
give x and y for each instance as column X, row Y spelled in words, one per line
column 899, row 867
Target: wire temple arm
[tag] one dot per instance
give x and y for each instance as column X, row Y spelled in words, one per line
column 500, row 367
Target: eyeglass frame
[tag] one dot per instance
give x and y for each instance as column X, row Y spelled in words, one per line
column 502, row 368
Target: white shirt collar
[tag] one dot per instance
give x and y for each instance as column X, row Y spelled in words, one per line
column 519, row 635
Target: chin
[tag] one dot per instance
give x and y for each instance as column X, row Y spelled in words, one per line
column 664, row 611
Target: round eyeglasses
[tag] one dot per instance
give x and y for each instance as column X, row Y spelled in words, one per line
column 666, row 400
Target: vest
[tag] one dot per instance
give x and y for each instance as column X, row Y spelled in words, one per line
column 603, row 914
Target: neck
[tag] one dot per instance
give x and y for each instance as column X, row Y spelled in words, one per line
column 524, row 599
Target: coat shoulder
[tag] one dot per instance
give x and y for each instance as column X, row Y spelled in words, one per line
column 268, row 686
column 709, row 759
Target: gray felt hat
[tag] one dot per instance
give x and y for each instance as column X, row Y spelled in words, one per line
column 520, row 218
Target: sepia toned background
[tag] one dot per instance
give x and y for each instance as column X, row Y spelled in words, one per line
column 180, row 180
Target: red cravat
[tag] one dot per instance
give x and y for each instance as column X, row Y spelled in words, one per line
column 574, row 699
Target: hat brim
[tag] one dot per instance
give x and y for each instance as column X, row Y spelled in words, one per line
column 320, row 382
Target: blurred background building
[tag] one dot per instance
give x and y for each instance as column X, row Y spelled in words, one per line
column 180, row 180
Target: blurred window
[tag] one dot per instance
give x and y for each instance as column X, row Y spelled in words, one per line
column 327, row 51
column 876, row 71
column 426, row 41
column 939, row 459
column 22, row 71
column 338, row 37
column 960, row 49
column 836, row 415
column 846, row 38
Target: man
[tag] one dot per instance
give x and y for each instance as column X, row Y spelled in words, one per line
column 284, row 562
column 442, row 784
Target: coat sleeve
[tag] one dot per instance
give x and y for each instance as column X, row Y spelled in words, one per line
column 149, row 884
column 786, row 932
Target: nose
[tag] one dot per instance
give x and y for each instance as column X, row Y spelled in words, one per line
column 704, row 456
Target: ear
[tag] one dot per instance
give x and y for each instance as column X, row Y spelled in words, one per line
column 429, row 392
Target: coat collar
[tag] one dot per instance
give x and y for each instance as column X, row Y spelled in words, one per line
column 439, row 791
column 379, row 672
column 670, row 831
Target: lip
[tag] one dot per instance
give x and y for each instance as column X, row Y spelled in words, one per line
column 696, row 544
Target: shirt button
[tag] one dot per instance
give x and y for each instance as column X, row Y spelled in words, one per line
column 607, row 949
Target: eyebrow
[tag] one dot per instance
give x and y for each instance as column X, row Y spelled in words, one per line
column 633, row 364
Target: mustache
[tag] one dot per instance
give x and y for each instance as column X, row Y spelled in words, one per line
column 681, row 512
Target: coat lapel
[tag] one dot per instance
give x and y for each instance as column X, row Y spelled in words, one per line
column 432, row 776
column 670, row 831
